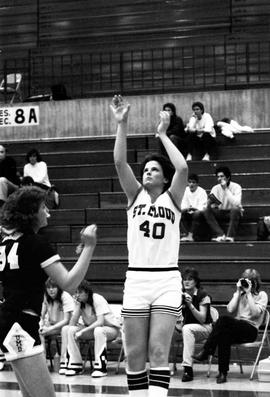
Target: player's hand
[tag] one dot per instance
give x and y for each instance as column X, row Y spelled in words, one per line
column 164, row 122
column 119, row 108
column 223, row 183
column 88, row 237
column 78, row 335
column 238, row 285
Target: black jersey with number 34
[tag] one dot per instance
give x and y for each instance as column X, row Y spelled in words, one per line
column 23, row 258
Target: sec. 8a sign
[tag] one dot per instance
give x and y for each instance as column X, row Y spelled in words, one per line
column 19, row 116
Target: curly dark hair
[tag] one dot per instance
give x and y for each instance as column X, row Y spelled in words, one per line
column 20, row 210
column 51, row 283
column 226, row 171
column 85, row 286
column 167, row 167
column 33, row 152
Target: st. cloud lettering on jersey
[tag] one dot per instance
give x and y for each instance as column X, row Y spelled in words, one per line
column 155, row 212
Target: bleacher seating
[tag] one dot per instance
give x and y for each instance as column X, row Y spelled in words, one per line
column 84, row 173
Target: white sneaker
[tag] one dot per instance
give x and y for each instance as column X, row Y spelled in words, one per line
column 187, row 238
column 189, row 157
column 74, row 372
column 62, row 370
column 206, row 157
column 219, row 239
column 98, row 373
column 229, row 239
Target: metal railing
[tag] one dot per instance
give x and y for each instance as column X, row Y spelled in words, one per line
column 174, row 69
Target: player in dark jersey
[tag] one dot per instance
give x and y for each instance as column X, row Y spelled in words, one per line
column 26, row 260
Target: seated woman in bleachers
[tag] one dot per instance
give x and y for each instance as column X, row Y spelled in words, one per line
column 246, row 312
column 37, row 169
column 57, row 309
column 197, row 322
column 99, row 323
column 201, row 140
column 175, row 131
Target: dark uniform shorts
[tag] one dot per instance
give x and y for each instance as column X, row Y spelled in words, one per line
column 28, row 322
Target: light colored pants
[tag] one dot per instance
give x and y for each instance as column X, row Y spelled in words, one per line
column 191, row 334
column 6, row 188
column 71, row 346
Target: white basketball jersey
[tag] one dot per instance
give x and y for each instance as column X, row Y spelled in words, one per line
column 153, row 232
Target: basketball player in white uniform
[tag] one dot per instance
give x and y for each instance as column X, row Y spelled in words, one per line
column 152, row 294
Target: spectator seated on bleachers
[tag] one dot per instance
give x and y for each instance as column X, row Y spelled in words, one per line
column 99, row 323
column 263, row 228
column 224, row 204
column 197, row 322
column 201, row 138
column 175, row 130
column 9, row 180
column 246, row 313
column 38, row 171
column 56, row 312
column 193, row 203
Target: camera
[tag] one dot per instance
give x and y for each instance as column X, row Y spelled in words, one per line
column 244, row 283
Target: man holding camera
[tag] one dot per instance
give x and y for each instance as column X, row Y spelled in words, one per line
column 246, row 309
column 224, row 204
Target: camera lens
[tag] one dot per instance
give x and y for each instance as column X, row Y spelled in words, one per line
column 244, row 283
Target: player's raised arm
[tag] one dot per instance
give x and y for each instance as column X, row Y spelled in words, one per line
column 179, row 181
column 128, row 181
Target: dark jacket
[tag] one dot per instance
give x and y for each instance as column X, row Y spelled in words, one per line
column 8, row 169
column 196, row 300
column 176, row 127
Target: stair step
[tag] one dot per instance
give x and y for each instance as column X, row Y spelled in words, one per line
column 92, row 143
column 113, row 233
column 231, row 152
column 210, row 270
column 77, row 157
column 112, row 184
column 79, row 200
column 198, row 167
column 196, row 250
column 251, row 196
column 118, row 215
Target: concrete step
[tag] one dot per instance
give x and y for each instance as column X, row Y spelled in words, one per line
column 116, row 216
column 112, row 184
column 114, row 269
column 198, row 167
column 118, row 200
column 148, row 142
column 196, row 250
column 256, row 196
column 71, row 233
column 78, row 157
column 253, row 151
column 111, row 233
column 91, row 143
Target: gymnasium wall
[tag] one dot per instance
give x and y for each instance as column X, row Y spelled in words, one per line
column 91, row 117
